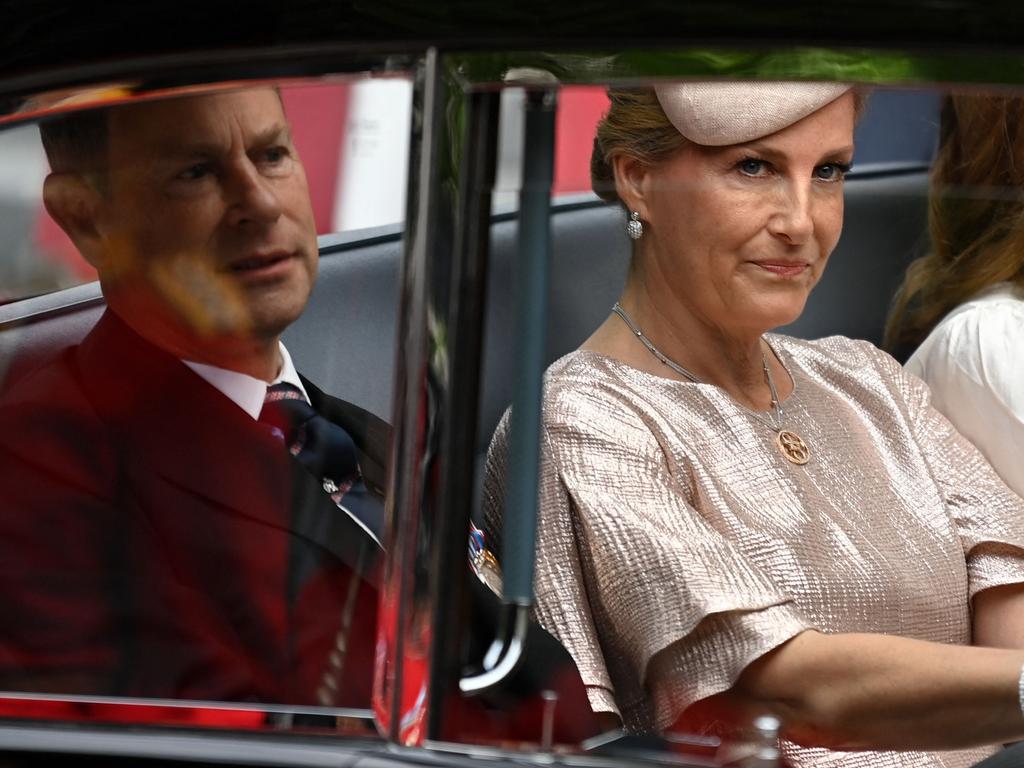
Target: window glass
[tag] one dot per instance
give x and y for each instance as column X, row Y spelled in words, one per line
column 353, row 138
column 897, row 126
column 670, row 497
column 37, row 258
column 191, row 513
column 194, row 456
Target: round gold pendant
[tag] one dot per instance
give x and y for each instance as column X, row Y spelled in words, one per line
column 793, row 447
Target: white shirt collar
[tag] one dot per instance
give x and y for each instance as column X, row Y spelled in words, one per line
column 246, row 391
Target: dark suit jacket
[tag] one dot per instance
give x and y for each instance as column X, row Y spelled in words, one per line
column 156, row 541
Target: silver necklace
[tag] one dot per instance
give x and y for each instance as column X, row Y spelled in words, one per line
column 789, row 443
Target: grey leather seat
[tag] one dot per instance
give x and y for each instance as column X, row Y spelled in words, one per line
column 345, row 341
column 885, row 228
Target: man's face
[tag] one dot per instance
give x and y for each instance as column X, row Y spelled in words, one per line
column 207, row 226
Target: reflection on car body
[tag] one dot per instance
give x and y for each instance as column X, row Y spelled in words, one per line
column 140, row 473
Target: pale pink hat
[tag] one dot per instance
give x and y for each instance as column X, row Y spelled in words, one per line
column 721, row 113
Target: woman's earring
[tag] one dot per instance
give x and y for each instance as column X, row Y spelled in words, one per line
column 634, row 227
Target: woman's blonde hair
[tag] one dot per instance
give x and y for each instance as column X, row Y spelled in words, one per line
column 976, row 215
column 634, row 125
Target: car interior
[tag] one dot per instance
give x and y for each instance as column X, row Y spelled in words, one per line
column 349, row 326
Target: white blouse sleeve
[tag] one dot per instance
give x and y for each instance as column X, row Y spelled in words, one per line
column 973, row 362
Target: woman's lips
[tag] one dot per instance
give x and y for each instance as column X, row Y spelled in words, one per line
column 783, row 268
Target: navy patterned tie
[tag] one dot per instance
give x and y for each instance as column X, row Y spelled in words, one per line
column 325, row 449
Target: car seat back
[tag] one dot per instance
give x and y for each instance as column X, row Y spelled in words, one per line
column 345, row 341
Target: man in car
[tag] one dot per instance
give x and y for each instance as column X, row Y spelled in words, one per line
column 182, row 514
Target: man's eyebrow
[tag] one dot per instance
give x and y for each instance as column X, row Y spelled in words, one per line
column 176, row 148
column 273, row 134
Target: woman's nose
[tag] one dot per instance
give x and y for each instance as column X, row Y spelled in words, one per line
column 253, row 197
column 792, row 220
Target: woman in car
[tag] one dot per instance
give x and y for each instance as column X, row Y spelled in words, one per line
column 963, row 302
column 733, row 521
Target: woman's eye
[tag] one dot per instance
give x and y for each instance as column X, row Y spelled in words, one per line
column 753, row 167
column 832, row 171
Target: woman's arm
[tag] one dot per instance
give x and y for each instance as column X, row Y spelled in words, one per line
column 999, row 617
column 861, row 691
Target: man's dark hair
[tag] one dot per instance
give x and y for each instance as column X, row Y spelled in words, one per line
column 77, row 142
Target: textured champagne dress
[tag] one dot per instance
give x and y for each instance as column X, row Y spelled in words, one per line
column 677, row 544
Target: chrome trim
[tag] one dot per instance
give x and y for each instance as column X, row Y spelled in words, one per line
column 474, row 155
column 182, row 747
column 475, row 753
column 420, row 371
column 505, row 653
column 230, row 706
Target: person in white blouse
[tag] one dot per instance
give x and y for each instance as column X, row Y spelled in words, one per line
column 963, row 303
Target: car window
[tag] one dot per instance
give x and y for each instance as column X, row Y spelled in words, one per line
column 353, row 138
column 621, row 496
column 897, row 126
column 201, row 527
column 885, row 229
column 193, row 507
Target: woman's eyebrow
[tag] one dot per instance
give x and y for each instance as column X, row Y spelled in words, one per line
column 771, row 153
column 841, row 151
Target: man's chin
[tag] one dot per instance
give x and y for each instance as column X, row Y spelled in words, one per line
column 202, row 316
column 272, row 321
column 238, row 314
column 255, row 331
column 195, row 333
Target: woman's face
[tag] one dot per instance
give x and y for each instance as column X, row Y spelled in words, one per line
column 739, row 235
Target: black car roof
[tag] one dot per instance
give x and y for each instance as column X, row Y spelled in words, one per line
column 45, row 42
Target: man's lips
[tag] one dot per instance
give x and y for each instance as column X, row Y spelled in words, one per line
column 261, row 263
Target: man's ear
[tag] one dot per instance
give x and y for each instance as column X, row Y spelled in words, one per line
column 74, row 203
column 630, row 175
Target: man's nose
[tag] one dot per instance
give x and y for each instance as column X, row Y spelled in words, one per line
column 793, row 219
column 252, row 196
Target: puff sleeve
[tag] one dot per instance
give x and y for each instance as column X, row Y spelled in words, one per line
column 988, row 515
column 657, row 608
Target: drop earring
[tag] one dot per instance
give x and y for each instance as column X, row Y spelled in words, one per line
column 634, row 227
